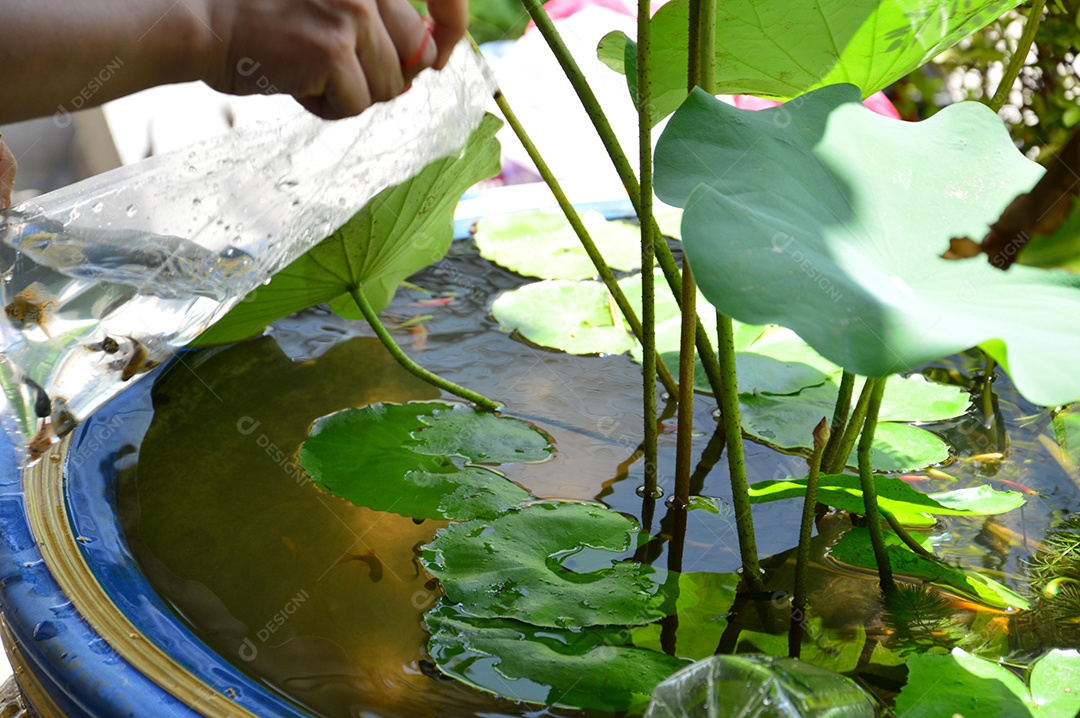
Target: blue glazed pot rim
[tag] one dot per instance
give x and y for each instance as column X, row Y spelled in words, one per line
column 83, row 673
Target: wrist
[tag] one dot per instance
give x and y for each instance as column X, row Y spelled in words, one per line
column 182, row 46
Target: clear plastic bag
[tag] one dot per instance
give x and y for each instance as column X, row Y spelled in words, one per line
column 758, row 686
column 106, row 278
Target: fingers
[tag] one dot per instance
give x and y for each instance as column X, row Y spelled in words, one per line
column 345, row 94
column 451, row 21
column 8, row 168
column 411, row 34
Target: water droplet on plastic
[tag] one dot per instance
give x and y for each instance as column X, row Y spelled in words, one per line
column 97, row 207
column 642, row 492
column 131, row 210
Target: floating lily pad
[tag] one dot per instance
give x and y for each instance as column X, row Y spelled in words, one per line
column 400, row 231
column 787, row 422
column 833, row 222
column 414, row 459
column 854, row 548
column 582, row 318
column 549, row 564
column 963, row 684
column 770, row 360
column 910, row 507
column 543, row 244
column 576, row 317
column 703, row 604
column 585, row 668
column 781, row 49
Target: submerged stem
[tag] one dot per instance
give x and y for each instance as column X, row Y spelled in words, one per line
column 412, row 367
column 905, row 536
column 625, row 171
column 876, row 388
column 586, row 241
column 1019, row 56
column 648, row 251
column 806, row 530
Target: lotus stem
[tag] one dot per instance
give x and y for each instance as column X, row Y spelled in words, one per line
column 625, row 171
column 806, row 530
column 731, row 416
column 876, row 389
column 1019, row 56
column 851, row 432
column 701, row 72
column 412, row 367
column 590, row 247
column 648, row 251
column 839, row 418
column 685, row 435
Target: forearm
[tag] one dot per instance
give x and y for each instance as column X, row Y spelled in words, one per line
column 64, row 55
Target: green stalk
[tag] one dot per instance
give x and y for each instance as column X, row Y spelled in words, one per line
column 906, row 537
column 806, row 531
column 876, row 389
column 839, row 418
column 1019, row 57
column 851, row 433
column 412, row 367
column 625, row 171
column 731, row 416
column 590, row 247
column 648, row 251
column 701, row 72
column 685, row 433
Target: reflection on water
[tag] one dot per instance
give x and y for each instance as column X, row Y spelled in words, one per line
column 324, row 600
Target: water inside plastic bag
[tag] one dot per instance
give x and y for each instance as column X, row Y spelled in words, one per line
column 106, row 278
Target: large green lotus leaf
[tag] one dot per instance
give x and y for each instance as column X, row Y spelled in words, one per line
column 703, row 604
column 400, row 231
column 910, row 507
column 827, row 218
column 543, row 244
column 576, row 317
column 585, row 668
column 962, row 684
column 783, row 48
column 549, row 564
column 787, row 422
column 854, row 548
column 412, row 459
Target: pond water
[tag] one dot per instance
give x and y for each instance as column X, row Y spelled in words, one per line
column 323, row 600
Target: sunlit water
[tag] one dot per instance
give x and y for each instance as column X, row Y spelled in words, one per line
column 323, row 600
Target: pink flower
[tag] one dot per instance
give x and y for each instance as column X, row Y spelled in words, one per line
column 877, row 102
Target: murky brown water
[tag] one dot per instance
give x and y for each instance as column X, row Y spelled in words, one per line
column 323, row 600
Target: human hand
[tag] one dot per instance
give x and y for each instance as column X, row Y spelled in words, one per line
column 8, row 168
column 336, row 57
